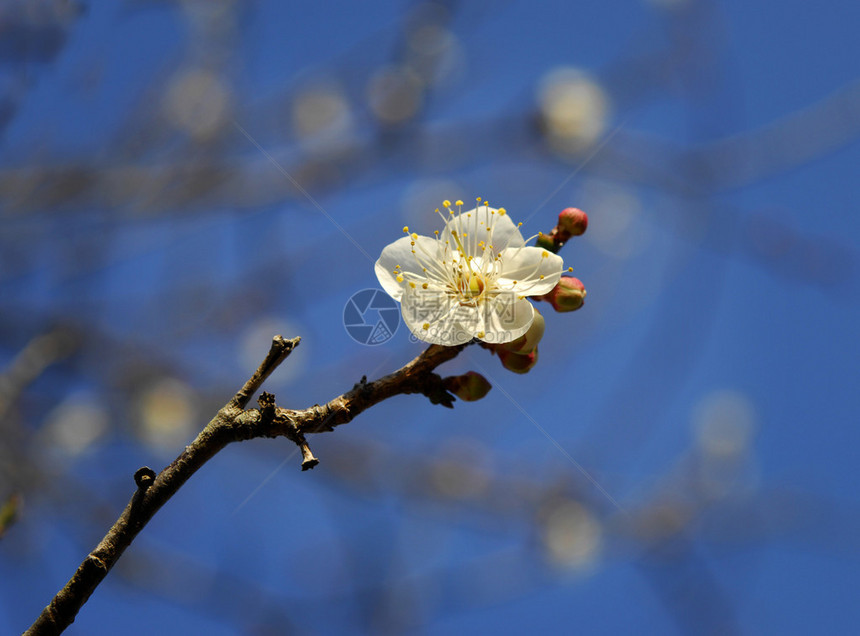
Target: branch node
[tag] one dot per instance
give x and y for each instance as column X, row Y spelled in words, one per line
column 267, row 406
column 98, row 562
column 362, row 387
column 144, row 477
column 434, row 388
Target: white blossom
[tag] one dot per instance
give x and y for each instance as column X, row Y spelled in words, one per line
column 470, row 280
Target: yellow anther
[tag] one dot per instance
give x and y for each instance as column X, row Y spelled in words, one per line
column 478, row 199
column 400, row 278
column 540, row 233
column 481, row 334
column 406, row 229
column 545, row 254
column 414, row 237
column 570, row 269
column 423, row 285
column 519, row 224
column 446, row 203
column 436, row 232
column 502, row 211
column 458, row 202
column 541, row 276
column 425, row 326
column 411, row 284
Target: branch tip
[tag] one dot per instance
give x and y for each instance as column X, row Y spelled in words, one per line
column 288, row 344
column 308, row 459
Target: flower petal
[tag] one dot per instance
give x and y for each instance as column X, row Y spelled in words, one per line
column 437, row 317
column 505, row 317
column 411, row 264
column 475, row 223
column 529, row 271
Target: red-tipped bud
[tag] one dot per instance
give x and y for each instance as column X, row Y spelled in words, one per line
column 567, row 295
column 530, row 339
column 572, row 221
column 518, row 362
column 468, row 387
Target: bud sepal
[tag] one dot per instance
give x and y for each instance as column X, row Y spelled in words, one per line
column 469, row 387
column 518, row 362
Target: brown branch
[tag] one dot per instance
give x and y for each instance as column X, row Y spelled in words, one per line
column 232, row 424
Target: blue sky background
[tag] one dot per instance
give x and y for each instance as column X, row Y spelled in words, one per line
column 151, row 244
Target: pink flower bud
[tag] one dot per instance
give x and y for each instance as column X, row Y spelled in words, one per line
column 567, row 295
column 518, row 362
column 530, row 339
column 572, row 221
column 468, row 387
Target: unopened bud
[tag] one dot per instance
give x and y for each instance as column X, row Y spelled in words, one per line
column 530, row 339
column 572, row 221
column 468, row 387
column 518, row 362
column 546, row 241
column 567, row 295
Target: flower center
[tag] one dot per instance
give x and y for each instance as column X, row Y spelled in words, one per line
column 476, row 284
column 470, row 285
